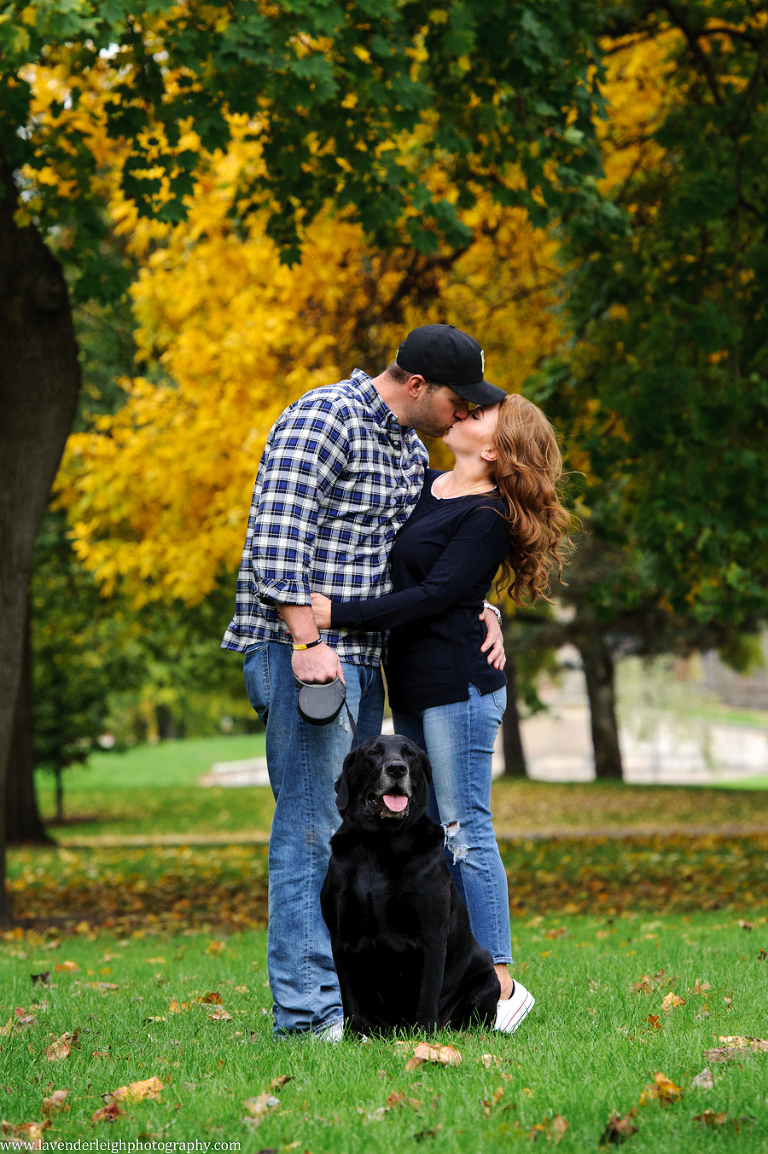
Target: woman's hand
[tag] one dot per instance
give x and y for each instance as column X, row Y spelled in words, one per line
column 321, row 607
column 494, row 640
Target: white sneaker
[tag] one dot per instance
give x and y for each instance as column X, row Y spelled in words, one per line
column 332, row 1033
column 511, row 1011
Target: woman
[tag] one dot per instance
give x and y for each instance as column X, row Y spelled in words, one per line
column 498, row 507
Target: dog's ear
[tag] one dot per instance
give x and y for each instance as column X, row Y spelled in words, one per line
column 426, row 765
column 341, row 784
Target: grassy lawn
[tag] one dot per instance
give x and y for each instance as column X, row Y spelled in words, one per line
column 151, row 789
column 590, row 1047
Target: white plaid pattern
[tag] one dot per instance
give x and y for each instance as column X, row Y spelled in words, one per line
column 338, row 478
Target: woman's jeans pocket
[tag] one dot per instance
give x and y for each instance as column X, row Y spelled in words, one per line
column 256, row 674
column 500, row 700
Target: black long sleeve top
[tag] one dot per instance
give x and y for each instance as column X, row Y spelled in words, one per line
column 442, row 564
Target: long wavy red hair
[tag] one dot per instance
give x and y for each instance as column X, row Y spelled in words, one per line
column 527, row 469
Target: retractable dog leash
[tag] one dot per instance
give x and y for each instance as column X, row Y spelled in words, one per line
column 320, row 704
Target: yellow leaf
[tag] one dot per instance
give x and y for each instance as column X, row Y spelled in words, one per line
column 135, row 1091
column 671, row 1001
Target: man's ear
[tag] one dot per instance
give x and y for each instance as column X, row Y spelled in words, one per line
column 341, row 784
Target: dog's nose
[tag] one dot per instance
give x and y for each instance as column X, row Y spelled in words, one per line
column 397, row 768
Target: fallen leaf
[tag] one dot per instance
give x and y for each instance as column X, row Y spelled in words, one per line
column 280, row 1081
column 7, row 1028
column 743, row 1043
column 108, row 1113
column 66, row 967
column 700, row 987
column 211, row 999
column 444, row 1055
column 44, row 978
column 762, row 955
column 704, row 1080
column 746, row 925
column 155, row 961
column 423, row 1134
column 710, row 1118
column 562, row 932
column 135, row 1091
column 655, row 1022
column 259, row 1107
column 155, row 1018
column 551, row 1128
column 242, row 989
column 178, row 1007
column 664, row 1090
column 26, row 1134
column 23, row 1018
column 671, row 1001
column 376, row 1115
column 55, row 1101
column 489, row 1103
column 489, row 1060
column 220, row 1015
column 618, row 1129
column 103, row 987
column 650, row 983
column 215, row 947
column 702, row 1013
column 61, row 1047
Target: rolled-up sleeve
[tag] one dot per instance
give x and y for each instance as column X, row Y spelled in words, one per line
column 306, row 452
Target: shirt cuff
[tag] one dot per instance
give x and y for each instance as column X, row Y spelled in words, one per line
column 286, row 592
column 346, row 613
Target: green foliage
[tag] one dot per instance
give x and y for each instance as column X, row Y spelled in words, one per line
column 79, row 649
column 665, row 391
column 325, row 85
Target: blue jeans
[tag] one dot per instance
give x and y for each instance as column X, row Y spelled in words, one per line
column 459, row 739
column 304, row 762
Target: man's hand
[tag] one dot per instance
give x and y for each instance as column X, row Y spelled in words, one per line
column 318, row 664
column 494, row 640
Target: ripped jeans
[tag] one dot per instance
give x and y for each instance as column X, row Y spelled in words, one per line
column 459, row 739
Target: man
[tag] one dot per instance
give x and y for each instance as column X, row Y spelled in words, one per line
column 342, row 471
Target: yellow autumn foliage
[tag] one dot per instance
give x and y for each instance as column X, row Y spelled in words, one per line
column 158, row 493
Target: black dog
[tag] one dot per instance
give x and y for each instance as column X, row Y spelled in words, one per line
column 402, row 945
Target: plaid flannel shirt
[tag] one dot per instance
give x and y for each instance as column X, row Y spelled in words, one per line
column 338, row 478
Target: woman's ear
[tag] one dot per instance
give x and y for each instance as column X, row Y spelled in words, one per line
column 341, row 785
column 488, row 455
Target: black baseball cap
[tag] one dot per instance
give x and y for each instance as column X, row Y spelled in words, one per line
column 447, row 356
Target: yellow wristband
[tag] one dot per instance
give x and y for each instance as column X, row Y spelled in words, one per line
column 309, row 645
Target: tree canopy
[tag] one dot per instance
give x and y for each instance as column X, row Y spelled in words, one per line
column 327, row 89
column 664, row 389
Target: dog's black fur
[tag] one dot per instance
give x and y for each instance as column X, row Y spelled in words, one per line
column 403, row 949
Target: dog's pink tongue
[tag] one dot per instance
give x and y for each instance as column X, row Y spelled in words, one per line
column 395, row 802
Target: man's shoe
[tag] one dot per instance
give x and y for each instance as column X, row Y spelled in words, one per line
column 332, row 1033
column 511, row 1011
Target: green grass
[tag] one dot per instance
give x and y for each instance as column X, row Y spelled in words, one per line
column 165, row 765
column 587, row 1049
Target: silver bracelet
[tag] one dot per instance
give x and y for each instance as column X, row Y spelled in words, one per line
column 494, row 609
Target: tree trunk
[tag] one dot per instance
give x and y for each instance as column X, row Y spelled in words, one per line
column 58, row 777
column 22, row 816
column 514, row 756
column 599, row 675
column 39, row 384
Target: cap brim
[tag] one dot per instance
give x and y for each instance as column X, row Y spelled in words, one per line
column 483, row 393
